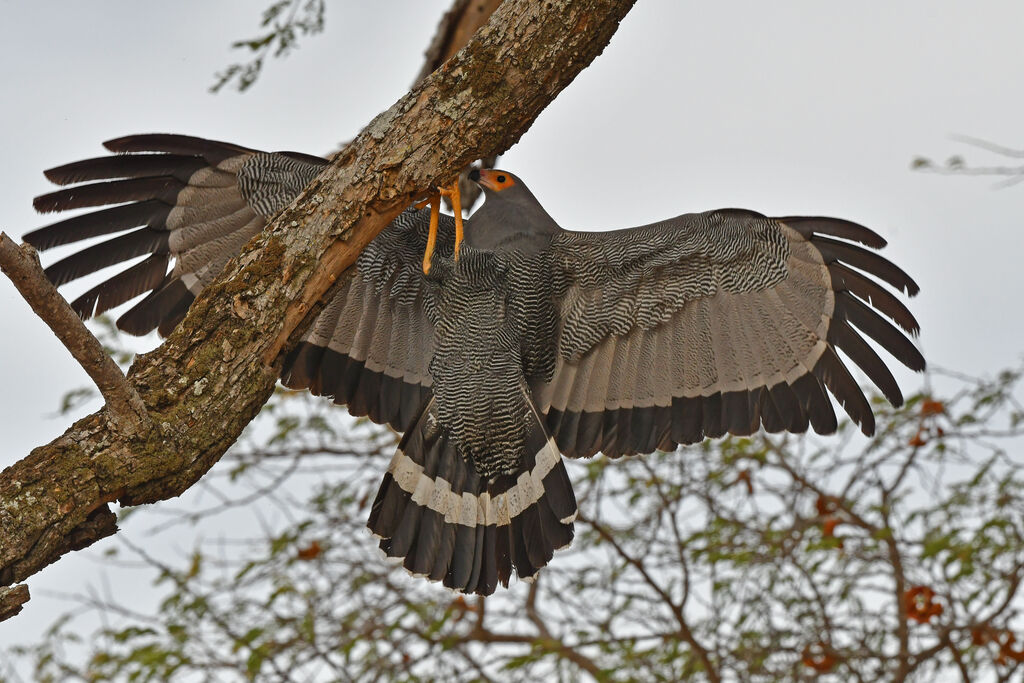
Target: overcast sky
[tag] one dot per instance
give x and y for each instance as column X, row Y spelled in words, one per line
column 783, row 107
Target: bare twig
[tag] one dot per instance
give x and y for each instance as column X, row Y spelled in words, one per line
column 684, row 627
column 989, row 146
column 563, row 650
column 21, row 265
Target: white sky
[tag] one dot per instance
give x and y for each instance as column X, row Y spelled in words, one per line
column 787, row 107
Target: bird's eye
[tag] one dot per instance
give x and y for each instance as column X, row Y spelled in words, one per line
column 501, row 179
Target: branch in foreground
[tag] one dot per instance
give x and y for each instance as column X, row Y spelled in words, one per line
column 12, row 599
column 21, row 265
column 457, row 26
column 205, row 384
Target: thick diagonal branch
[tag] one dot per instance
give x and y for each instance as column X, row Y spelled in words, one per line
column 209, row 379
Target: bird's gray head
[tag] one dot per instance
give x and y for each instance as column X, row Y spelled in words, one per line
column 511, row 217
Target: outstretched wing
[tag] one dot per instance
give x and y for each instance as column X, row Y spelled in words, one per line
column 189, row 205
column 719, row 322
column 193, row 201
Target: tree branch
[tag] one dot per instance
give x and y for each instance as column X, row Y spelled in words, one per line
column 685, row 631
column 12, row 599
column 457, row 26
column 210, row 378
column 21, row 265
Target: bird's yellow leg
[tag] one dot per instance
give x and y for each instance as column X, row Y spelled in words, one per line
column 452, row 193
column 435, row 211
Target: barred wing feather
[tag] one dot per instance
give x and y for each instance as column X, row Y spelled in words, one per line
column 717, row 323
column 189, row 205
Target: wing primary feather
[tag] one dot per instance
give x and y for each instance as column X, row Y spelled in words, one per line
column 107, row 253
column 873, row 293
column 128, row 284
column 868, row 261
column 164, row 188
column 163, row 310
column 214, row 151
column 876, row 327
column 860, row 352
column 152, row 213
column 794, row 417
column 809, row 226
column 811, row 393
column 125, row 166
column 837, row 378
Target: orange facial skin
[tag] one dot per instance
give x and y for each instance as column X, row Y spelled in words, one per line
column 496, row 180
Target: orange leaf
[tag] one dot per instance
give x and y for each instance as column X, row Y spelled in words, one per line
column 920, row 605
column 826, row 504
column 1006, row 649
column 311, row 552
column 829, row 527
column 981, row 634
column 820, row 657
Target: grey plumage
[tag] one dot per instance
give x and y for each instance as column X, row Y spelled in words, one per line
column 536, row 341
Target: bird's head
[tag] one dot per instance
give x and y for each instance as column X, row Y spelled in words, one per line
column 494, row 180
column 511, row 216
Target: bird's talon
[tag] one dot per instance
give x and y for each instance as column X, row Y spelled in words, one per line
column 434, row 201
column 435, row 210
column 452, row 192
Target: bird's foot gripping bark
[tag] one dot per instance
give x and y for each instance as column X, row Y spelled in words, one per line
column 442, row 520
column 434, row 200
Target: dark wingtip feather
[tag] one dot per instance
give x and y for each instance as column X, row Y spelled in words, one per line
column 161, row 310
column 108, row 253
column 125, row 166
column 152, row 213
column 875, row 326
column 853, row 345
column 871, row 292
column 831, row 371
column 868, row 261
column 213, row 151
column 816, row 404
column 164, row 188
column 837, row 227
column 126, row 285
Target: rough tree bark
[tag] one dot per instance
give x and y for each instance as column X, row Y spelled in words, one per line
column 457, row 26
column 212, row 375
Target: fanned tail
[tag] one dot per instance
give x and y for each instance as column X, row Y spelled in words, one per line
column 443, row 521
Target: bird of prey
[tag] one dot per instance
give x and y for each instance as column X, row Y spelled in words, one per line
column 534, row 343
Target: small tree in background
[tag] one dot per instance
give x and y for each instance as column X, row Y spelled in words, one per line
column 759, row 559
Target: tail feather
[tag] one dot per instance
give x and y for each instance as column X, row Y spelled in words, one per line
column 436, row 515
